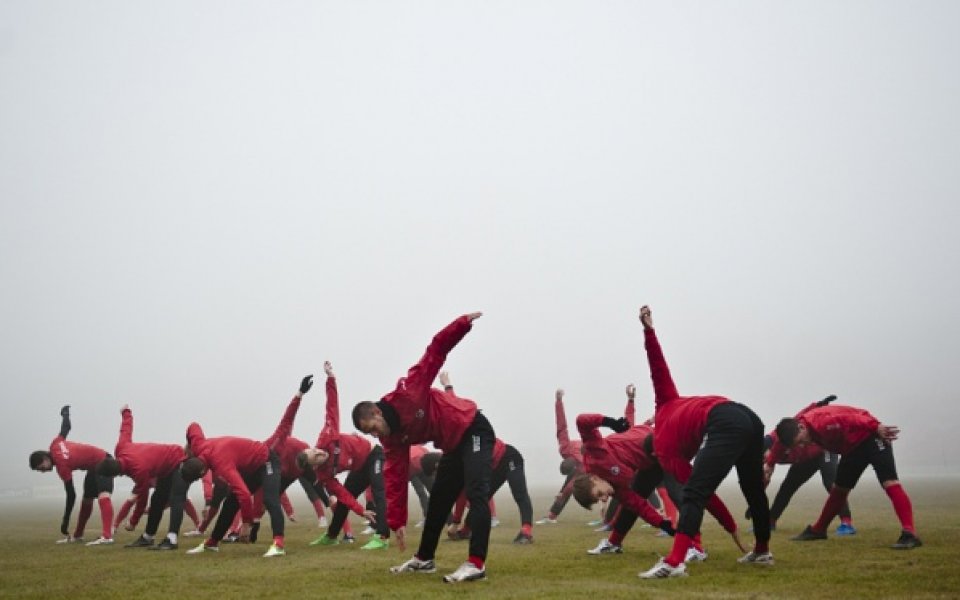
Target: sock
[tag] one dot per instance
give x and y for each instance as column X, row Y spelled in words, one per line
column 830, row 509
column 106, row 516
column 902, row 506
column 211, row 543
column 697, row 542
column 527, row 529
column 669, row 508
column 347, row 529
column 318, row 508
column 846, row 520
column 172, row 537
column 476, row 561
column 278, row 541
column 191, row 512
column 86, row 507
column 615, row 538
column 681, row 542
column 761, row 547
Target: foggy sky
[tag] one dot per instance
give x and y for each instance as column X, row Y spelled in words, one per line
column 201, row 202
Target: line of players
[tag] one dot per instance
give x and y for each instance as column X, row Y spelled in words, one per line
column 695, row 443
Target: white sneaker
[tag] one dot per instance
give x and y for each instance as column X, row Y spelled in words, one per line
column 419, row 524
column 70, row 540
column 753, row 558
column 415, row 565
column 662, row 570
column 547, row 521
column 323, row 522
column 368, row 531
column 465, row 572
column 203, row 548
column 494, row 522
column 274, row 550
column 194, row 533
column 605, row 547
column 694, row 555
column 100, row 541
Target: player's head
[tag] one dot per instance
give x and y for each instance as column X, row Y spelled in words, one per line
column 429, row 462
column 108, row 467
column 368, row 418
column 41, row 460
column 311, row 458
column 192, row 469
column 568, row 466
column 792, row 432
column 590, row 489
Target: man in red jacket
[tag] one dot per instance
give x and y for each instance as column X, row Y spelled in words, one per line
column 861, row 440
column 146, row 463
column 67, row 457
column 246, row 466
column 722, row 434
column 416, row 413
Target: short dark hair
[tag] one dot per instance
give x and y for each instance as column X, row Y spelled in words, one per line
column 787, row 430
column 568, row 466
column 429, row 462
column 583, row 490
column 36, row 458
column 302, row 463
column 192, row 469
column 362, row 410
column 108, row 467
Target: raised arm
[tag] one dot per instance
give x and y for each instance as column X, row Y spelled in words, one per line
column 629, row 412
column 563, row 436
column 331, row 423
column 420, row 377
column 588, row 425
column 65, row 421
column 126, row 426
column 663, row 387
column 285, row 427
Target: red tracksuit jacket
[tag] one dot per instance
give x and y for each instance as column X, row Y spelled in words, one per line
column 839, row 428
column 417, row 453
column 230, row 458
column 144, row 463
column 780, row 454
column 426, row 415
column 568, row 449
column 73, row 456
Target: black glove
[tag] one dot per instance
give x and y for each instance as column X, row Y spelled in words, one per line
column 65, row 411
column 827, row 400
column 619, row 425
column 667, row 527
column 65, row 526
column 255, row 528
column 306, row 384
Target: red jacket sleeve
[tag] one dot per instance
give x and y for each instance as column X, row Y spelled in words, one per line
column 640, row 507
column 240, row 490
column 458, row 507
column 663, row 387
column 563, row 436
column 335, row 488
column 679, row 468
column 207, row 486
column 285, row 427
column 396, row 475
column 126, row 427
column 718, row 509
column 587, row 425
column 195, row 438
column 420, row 377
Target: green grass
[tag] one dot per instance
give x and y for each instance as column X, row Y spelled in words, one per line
column 555, row 566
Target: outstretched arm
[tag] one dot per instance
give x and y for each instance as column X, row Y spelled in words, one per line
column 68, row 508
column 420, row 377
column 65, row 421
column 126, row 425
column 629, row 412
column 444, row 378
column 663, row 386
column 563, row 436
column 285, row 427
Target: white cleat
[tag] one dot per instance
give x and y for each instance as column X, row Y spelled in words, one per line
column 662, row 570
column 465, row 572
column 694, row 555
column 194, row 533
column 415, row 565
column 494, row 522
column 368, row 531
column 70, row 540
column 419, row 524
column 547, row 521
column 203, row 548
column 605, row 547
column 274, row 550
column 100, row 541
column 754, row 558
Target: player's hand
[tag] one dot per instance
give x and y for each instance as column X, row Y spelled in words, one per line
column 444, row 379
column 245, row 533
column 401, row 535
column 827, row 400
column 65, row 411
column 328, row 368
column 369, row 515
column 888, row 433
column 646, row 317
column 124, row 408
column 667, row 527
column 474, row 316
column 736, row 539
column 767, row 473
column 631, row 391
column 306, row 383
column 619, row 425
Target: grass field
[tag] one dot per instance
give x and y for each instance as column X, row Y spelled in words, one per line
column 555, row 566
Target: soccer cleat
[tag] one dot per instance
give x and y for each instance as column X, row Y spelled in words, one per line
column 194, row 533
column 594, row 523
column 907, row 541
column 166, row 544
column 415, row 565
column 376, row 543
column 809, row 534
column 605, row 547
column 100, row 541
column 70, row 540
column 420, row 523
column 756, row 558
column 348, row 539
column 203, row 548
column 324, row 540
column 663, row 570
column 323, row 522
column 547, row 521
column 460, row 534
column 523, row 538
column 604, row 527
column 694, row 555
column 231, row 538
column 368, row 531
column 846, row 529
column 465, row 572
column 274, row 550
column 140, row 542
column 494, row 522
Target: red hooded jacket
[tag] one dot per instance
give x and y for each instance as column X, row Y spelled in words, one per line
column 839, row 428
column 68, row 457
column 144, row 462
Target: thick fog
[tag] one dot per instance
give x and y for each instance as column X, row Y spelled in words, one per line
column 202, row 202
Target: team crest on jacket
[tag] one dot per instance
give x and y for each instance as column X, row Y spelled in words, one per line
column 420, row 413
column 615, row 470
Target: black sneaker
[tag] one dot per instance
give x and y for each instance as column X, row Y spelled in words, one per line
column 809, row 534
column 254, row 530
column 140, row 542
column 907, row 541
column 523, row 538
column 166, row 544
